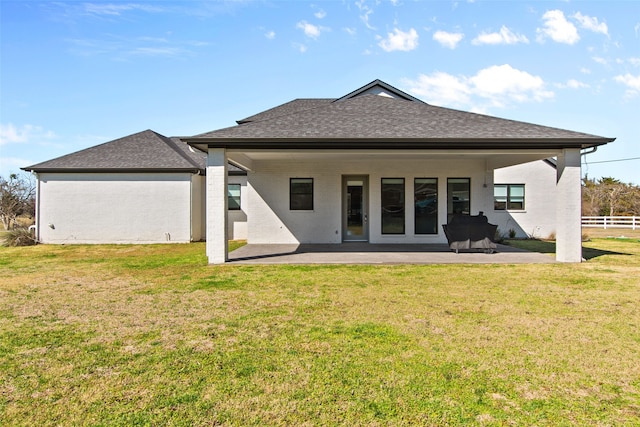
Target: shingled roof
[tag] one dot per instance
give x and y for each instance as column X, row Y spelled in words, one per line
column 142, row 151
column 364, row 120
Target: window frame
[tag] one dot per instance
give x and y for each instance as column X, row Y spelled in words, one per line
column 415, row 206
column 508, row 198
column 231, row 197
column 310, row 194
column 403, row 210
column 453, row 213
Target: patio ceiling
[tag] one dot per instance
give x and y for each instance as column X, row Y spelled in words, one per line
column 494, row 158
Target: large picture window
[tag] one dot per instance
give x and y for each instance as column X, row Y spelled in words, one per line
column 233, row 196
column 392, row 205
column 425, row 196
column 508, row 197
column 458, row 197
column 301, row 194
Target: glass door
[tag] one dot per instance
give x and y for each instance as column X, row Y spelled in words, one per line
column 355, row 208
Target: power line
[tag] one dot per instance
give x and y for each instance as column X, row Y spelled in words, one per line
column 609, row 161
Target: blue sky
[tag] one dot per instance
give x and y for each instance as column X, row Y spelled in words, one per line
column 78, row 73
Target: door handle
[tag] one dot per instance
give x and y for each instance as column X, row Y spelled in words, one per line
column 365, row 217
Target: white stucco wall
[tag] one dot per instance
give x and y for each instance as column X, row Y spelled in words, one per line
column 237, row 220
column 271, row 221
column 115, row 208
column 538, row 219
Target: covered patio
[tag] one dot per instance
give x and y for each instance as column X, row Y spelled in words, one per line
column 367, row 253
column 309, row 159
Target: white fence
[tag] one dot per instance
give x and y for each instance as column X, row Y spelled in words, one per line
column 605, row 222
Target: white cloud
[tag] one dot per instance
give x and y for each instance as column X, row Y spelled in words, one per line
column 591, row 24
column 634, row 61
column 600, row 60
column 504, row 36
column 9, row 134
column 122, row 48
column 351, row 31
column 300, row 47
column 632, row 82
column 557, row 28
column 320, row 14
column 441, row 89
column 366, row 12
column 449, row 40
column 503, row 82
column 270, row 35
column 495, row 86
column 157, row 51
column 400, row 40
column 310, row 30
column 110, row 9
column 573, row 84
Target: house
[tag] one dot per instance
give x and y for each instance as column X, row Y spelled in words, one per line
column 375, row 165
column 143, row 188
column 381, row 166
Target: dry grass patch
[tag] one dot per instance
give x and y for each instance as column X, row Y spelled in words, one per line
column 150, row 334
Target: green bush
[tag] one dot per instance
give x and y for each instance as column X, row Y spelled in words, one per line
column 18, row 237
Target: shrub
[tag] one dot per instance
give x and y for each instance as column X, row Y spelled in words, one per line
column 18, row 237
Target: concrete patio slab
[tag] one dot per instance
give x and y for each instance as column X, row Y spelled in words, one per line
column 366, row 253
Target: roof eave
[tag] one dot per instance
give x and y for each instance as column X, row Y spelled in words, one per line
column 394, row 143
column 35, row 168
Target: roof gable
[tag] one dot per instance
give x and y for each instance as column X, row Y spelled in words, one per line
column 380, row 88
column 142, row 151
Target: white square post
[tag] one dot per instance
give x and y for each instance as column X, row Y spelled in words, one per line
column 569, row 207
column 217, row 249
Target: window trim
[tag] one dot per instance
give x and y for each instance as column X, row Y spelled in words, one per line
column 291, row 194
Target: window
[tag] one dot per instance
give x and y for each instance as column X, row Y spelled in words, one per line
column 301, row 194
column 458, row 197
column 508, row 197
column 392, row 205
column 233, row 196
column 425, row 196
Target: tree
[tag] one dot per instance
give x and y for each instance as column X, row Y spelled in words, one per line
column 17, row 198
column 609, row 196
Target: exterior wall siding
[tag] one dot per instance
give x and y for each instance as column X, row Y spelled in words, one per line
column 538, row 219
column 115, row 207
column 271, row 221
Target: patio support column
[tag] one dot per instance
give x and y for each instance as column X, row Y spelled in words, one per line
column 568, row 207
column 217, row 249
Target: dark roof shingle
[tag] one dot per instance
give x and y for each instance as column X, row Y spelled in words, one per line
column 373, row 117
column 142, row 151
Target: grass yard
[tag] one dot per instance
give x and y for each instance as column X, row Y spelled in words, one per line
column 151, row 335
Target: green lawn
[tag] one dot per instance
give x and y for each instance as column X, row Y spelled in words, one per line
column 151, row 335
